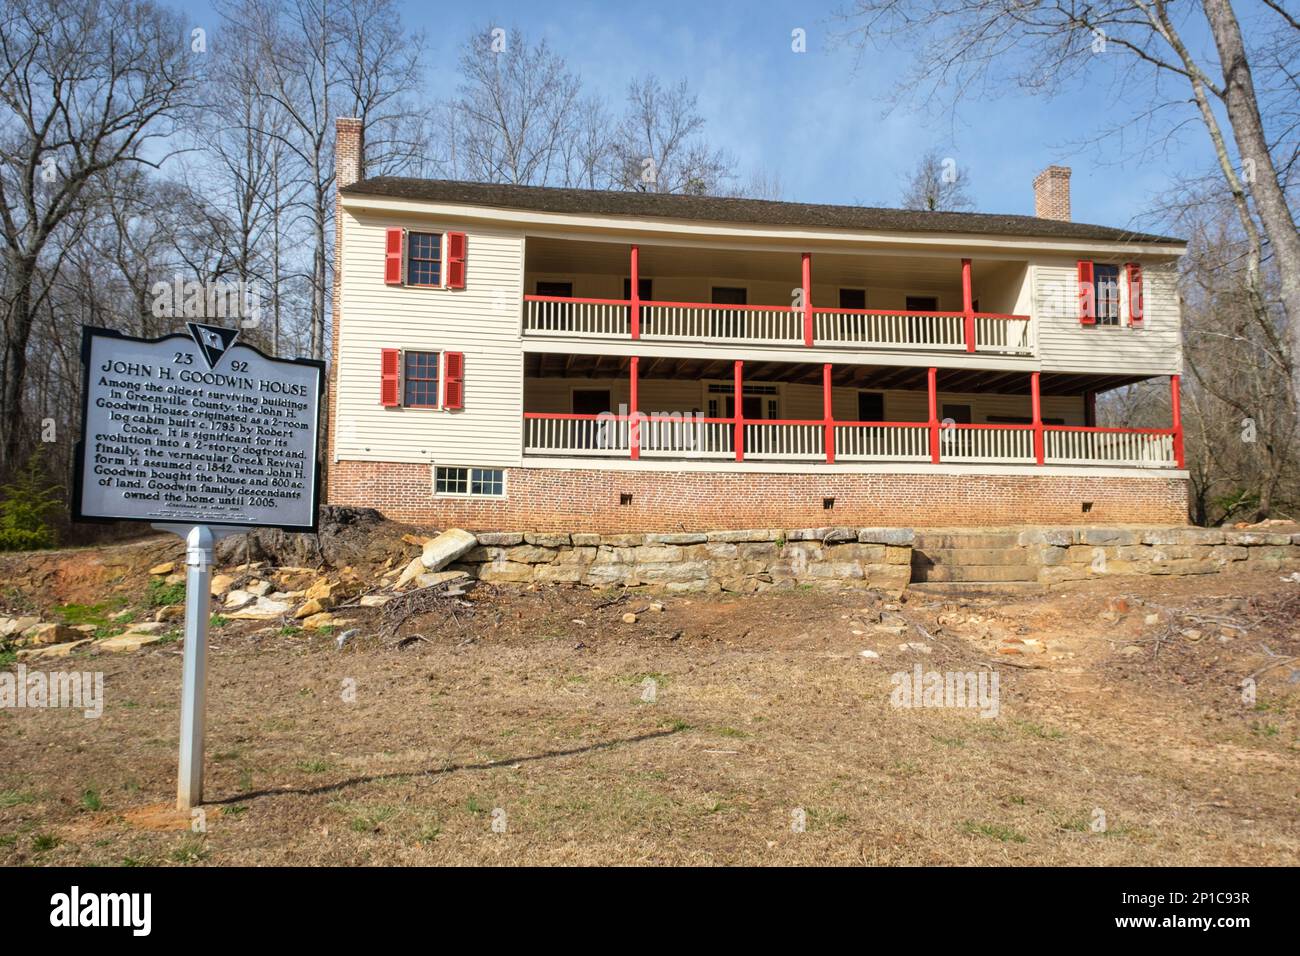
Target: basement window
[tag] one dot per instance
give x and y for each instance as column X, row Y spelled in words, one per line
column 469, row 482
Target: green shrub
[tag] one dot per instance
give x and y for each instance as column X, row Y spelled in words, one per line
column 26, row 507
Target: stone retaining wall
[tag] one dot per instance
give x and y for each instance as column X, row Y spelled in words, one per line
column 739, row 561
column 1075, row 554
column 879, row 558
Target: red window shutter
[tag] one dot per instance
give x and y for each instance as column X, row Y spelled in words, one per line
column 390, row 378
column 1087, row 294
column 393, row 241
column 1136, row 307
column 456, row 260
column 454, row 385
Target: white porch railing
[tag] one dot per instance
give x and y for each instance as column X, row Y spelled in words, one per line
column 785, row 441
column 694, row 438
column 603, row 436
column 1008, row 334
column 1108, row 446
column 721, row 323
column 685, row 436
column 882, row 443
column 1005, row 443
column 776, row 325
column 590, row 318
column 890, row 330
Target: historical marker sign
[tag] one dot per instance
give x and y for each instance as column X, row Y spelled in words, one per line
column 201, row 436
column 197, row 429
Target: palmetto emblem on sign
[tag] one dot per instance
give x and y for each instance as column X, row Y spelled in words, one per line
column 212, row 340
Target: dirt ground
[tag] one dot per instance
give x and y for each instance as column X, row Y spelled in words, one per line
column 538, row 727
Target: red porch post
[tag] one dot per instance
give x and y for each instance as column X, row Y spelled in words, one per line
column 739, row 407
column 967, row 305
column 807, row 300
column 634, row 416
column 1036, row 400
column 828, row 413
column 1176, row 407
column 635, row 310
column 933, row 378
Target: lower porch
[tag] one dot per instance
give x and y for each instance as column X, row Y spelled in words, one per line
column 626, row 407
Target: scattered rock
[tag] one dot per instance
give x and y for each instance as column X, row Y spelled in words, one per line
column 629, row 618
column 259, row 588
column 317, row 621
column 656, row 607
column 40, row 635
column 237, row 599
column 130, row 641
column 221, row 584
column 54, row 650
column 10, row 626
column 915, row 646
column 1133, row 650
column 410, row 572
column 321, row 590
column 172, row 612
column 446, row 548
column 311, row 608
column 869, row 654
column 263, row 609
column 167, row 567
column 374, row 600
column 1151, row 619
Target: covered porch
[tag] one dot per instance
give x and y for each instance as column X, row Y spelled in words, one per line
column 628, row 407
column 877, row 300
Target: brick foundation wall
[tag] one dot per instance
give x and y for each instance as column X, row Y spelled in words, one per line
column 546, row 499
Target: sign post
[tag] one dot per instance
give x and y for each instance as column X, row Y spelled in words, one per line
column 204, row 438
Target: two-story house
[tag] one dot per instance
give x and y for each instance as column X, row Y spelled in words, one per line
column 517, row 357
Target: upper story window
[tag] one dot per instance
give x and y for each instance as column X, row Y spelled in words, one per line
column 853, row 298
column 424, row 258
column 420, row 380
column 1106, row 280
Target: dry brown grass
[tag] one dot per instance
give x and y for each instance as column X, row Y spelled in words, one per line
column 763, row 707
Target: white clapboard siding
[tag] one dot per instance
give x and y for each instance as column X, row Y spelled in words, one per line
column 482, row 320
column 1067, row 346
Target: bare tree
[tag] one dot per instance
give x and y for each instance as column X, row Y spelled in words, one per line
column 936, row 185
column 978, row 47
column 518, row 107
column 660, row 145
column 86, row 86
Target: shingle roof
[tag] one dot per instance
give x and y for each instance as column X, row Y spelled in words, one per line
column 727, row 210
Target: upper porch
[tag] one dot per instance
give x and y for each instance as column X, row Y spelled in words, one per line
column 865, row 301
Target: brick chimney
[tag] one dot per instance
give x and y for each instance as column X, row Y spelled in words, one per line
column 1052, row 193
column 348, row 151
column 349, row 163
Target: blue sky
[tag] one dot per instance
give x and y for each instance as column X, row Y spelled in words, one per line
column 812, row 118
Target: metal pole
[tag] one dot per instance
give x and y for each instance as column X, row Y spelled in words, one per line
column 198, row 582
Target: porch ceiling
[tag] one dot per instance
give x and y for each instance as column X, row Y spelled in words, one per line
column 554, row 365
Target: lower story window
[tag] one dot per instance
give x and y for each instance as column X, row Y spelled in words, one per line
column 488, row 482
column 421, row 380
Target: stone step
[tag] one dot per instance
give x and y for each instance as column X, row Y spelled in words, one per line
column 978, row 573
column 975, row 587
column 960, row 539
column 948, row 556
